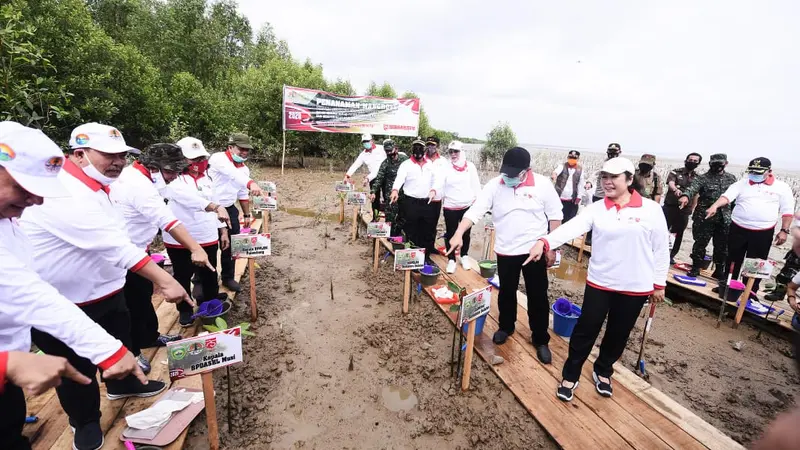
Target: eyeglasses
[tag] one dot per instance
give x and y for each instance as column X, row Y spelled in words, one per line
column 452, row 151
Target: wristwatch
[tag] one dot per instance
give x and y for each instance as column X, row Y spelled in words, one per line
column 786, row 230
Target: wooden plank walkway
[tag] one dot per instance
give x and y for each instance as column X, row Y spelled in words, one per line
column 52, row 431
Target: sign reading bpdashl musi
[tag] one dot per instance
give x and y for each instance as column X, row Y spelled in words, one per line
column 193, row 356
column 312, row 110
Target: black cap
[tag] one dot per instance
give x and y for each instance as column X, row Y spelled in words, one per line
column 432, row 140
column 515, row 161
column 759, row 165
column 574, row 154
column 614, row 147
column 388, row 145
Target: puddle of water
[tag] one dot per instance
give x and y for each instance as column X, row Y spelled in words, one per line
column 309, row 213
column 570, row 271
column 397, row 399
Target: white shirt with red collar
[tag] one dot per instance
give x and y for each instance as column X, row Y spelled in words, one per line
column 372, row 158
column 79, row 242
column 459, row 185
column 416, row 178
column 760, row 205
column 440, row 166
column 188, row 197
column 136, row 195
column 521, row 215
column 230, row 180
column 630, row 245
column 28, row 301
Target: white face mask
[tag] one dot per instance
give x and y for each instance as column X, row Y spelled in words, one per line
column 95, row 174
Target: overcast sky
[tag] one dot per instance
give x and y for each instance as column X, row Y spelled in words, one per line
column 661, row 77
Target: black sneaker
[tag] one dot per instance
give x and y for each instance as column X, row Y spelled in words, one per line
column 163, row 339
column 693, row 272
column 671, row 261
column 186, row 319
column 544, row 355
column 232, row 285
column 88, row 437
column 566, row 393
column 603, row 389
column 777, row 295
column 500, row 337
column 139, row 390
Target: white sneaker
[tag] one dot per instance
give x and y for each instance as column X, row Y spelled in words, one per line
column 465, row 263
column 451, row 266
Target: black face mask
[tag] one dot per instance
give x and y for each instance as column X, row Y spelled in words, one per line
column 612, row 154
column 392, row 154
column 645, row 168
column 717, row 167
column 418, row 151
column 691, row 165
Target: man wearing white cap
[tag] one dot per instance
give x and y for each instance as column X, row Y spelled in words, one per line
column 372, row 157
column 29, row 166
column 81, row 248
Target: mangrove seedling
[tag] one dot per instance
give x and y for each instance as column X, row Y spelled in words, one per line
column 220, row 325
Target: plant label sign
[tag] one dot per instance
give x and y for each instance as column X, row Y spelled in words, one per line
column 268, row 187
column 251, row 245
column 475, row 305
column 757, row 268
column 356, row 198
column 265, row 203
column 379, row 229
column 409, row 259
column 193, row 356
column 344, row 187
column 488, row 223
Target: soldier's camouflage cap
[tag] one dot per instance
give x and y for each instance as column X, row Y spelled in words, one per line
column 718, row 157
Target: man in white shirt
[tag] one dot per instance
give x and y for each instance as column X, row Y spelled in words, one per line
column 372, row 156
column 231, row 181
column 79, row 245
column 29, row 166
column 524, row 206
column 760, row 200
column 569, row 179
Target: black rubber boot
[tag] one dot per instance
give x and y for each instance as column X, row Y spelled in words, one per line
column 777, row 295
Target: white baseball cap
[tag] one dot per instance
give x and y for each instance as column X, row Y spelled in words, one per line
column 618, row 165
column 192, row 148
column 456, row 145
column 102, row 138
column 32, row 159
column 366, row 137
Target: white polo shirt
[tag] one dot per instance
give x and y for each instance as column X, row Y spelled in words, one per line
column 372, row 159
column 760, row 205
column 230, row 180
column 136, row 195
column 188, row 198
column 521, row 215
column 28, row 301
column 630, row 245
column 79, row 242
column 459, row 185
column 415, row 178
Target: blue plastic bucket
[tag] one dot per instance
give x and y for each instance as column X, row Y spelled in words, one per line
column 478, row 325
column 564, row 324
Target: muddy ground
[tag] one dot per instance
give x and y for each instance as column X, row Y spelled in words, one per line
column 295, row 390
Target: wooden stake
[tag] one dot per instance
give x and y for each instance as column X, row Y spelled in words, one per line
column 341, row 210
column 491, row 245
column 406, row 290
column 211, row 410
column 580, row 252
column 743, row 301
column 251, row 264
column 283, row 158
column 354, row 226
column 265, row 221
column 468, row 356
column 376, row 257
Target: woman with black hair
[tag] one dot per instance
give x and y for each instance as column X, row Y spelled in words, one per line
column 678, row 219
column 629, row 263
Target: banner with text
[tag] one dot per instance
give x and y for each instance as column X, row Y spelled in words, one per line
column 312, row 110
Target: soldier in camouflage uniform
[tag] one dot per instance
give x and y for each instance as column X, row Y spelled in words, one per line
column 384, row 181
column 709, row 187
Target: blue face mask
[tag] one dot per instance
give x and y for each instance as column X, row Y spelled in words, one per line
column 367, row 145
column 237, row 158
column 511, row 181
column 757, row 178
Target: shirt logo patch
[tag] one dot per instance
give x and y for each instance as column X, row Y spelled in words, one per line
column 6, row 154
column 53, row 165
column 81, row 139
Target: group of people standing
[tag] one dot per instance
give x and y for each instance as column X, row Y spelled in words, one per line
column 77, row 273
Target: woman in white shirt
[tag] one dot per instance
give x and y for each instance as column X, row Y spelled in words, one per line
column 629, row 263
column 460, row 185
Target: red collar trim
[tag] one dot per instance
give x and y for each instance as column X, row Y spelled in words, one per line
column 142, row 169
column 420, row 163
column 371, row 149
column 462, row 168
column 235, row 164
column 195, row 178
column 769, row 181
column 634, row 202
column 528, row 181
column 437, row 156
column 72, row 169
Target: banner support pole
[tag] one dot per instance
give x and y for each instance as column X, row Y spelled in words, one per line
column 283, row 158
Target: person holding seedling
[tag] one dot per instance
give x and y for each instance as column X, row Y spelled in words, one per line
column 629, row 263
column 383, row 183
column 372, row 156
column 523, row 206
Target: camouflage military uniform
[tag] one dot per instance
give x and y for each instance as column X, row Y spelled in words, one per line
column 384, row 181
column 710, row 187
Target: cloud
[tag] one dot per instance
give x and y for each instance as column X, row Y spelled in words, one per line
column 662, row 77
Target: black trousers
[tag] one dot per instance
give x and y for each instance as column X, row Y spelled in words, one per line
column 621, row 310
column 570, row 209
column 82, row 402
column 226, row 258
column 138, row 293
column 452, row 217
column 183, row 270
column 12, row 419
column 420, row 219
column 376, row 204
column 747, row 243
column 536, row 283
column 677, row 221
